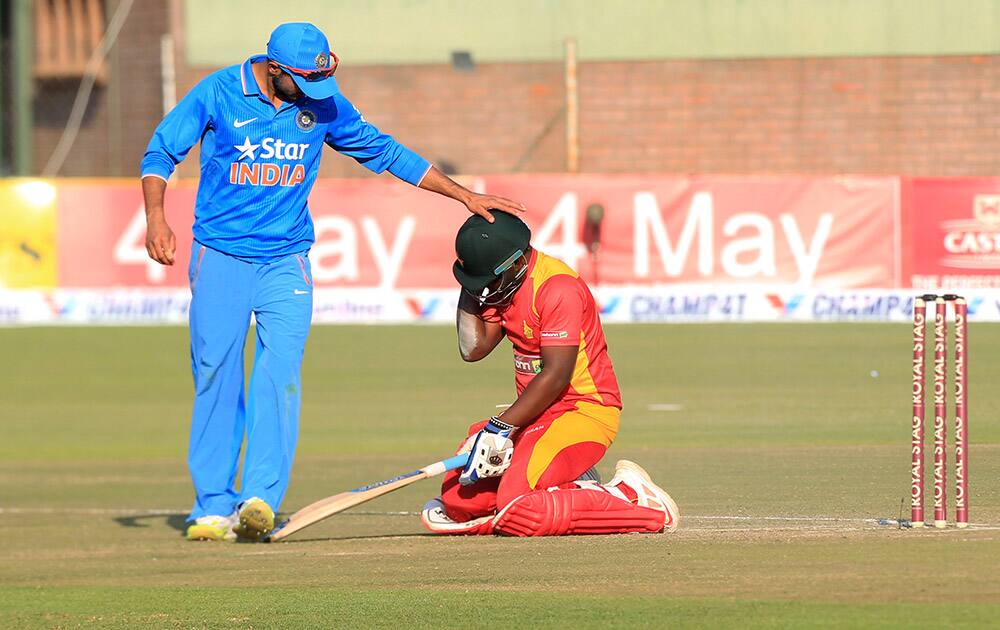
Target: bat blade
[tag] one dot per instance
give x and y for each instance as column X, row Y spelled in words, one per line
column 325, row 508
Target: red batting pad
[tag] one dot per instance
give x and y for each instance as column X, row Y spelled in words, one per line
column 575, row 511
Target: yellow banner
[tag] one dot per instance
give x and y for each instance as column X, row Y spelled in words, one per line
column 27, row 234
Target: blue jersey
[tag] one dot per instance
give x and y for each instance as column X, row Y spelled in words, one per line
column 259, row 163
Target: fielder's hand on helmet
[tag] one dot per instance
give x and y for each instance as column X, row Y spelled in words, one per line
column 491, row 451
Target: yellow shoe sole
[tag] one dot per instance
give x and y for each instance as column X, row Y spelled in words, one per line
column 256, row 520
column 208, row 532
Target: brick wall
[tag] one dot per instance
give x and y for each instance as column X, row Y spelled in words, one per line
column 894, row 115
column 481, row 122
column 891, row 115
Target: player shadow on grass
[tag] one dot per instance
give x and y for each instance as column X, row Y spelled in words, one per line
column 176, row 521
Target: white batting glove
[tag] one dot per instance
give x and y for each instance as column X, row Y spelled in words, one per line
column 492, row 451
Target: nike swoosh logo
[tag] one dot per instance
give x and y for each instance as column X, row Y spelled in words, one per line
column 299, row 292
column 239, row 123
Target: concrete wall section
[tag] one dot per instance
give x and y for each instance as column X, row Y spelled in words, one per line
column 427, row 31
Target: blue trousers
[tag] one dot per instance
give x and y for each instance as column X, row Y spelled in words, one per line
column 224, row 293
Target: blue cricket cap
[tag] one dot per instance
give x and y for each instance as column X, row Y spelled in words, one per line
column 304, row 52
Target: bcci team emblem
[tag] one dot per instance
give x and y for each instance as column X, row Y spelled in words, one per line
column 322, row 61
column 305, row 120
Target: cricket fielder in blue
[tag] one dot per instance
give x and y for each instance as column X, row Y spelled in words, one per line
column 262, row 126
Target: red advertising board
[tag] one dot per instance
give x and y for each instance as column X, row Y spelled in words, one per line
column 369, row 233
column 955, row 232
column 803, row 231
column 668, row 248
column 822, row 232
column 101, row 231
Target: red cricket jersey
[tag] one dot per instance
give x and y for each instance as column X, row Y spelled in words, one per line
column 554, row 307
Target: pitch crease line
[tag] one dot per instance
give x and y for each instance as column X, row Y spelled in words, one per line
column 712, row 517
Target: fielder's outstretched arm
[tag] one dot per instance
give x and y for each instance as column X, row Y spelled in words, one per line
column 436, row 181
column 478, row 333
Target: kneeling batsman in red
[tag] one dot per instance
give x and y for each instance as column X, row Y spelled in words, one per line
column 531, row 469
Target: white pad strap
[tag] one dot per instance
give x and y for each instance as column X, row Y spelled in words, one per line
column 437, row 521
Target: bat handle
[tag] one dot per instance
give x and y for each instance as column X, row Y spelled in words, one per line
column 456, row 462
column 449, row 464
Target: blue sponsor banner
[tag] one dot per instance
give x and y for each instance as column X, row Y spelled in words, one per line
column 658, row 304
column 864, row 307
column 686, row 307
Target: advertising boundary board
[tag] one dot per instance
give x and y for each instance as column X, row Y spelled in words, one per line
column 662, row 248
column 619, row 305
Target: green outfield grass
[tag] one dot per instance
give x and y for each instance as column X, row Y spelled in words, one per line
column 777, row 441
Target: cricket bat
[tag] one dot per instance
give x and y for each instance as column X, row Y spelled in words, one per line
column 325, row 508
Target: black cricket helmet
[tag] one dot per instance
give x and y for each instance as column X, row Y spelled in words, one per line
column 487, row 254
